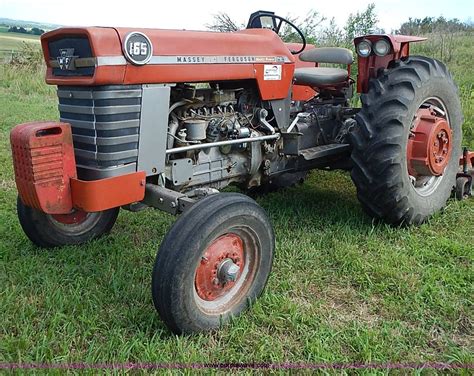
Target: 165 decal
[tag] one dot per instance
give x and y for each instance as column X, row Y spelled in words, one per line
column 137, row 48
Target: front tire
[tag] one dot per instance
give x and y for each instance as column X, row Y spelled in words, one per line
column 393, row 182
column 49, row 231
column 213, row 263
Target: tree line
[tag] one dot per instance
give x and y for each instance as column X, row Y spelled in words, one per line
column 22, row 30
column 322, row 31
column 428, row 25
column 316, row 27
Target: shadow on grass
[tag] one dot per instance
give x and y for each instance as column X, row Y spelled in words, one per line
column 310, row 203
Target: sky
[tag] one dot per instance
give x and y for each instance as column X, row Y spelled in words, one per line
column 194, row 15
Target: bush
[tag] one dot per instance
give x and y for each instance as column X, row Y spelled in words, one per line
column 30, row 56
column 24, row 75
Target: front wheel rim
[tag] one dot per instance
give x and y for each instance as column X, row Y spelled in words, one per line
column 238, row 248
column 75, row 223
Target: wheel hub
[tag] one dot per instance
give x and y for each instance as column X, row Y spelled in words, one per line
column 228, row 271
column 429, row 146
column 220, row 267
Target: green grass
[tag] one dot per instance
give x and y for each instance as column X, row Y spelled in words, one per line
column 14, row 41
column 343, row 289
column 19, row 35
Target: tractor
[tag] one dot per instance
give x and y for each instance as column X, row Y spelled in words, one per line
column 168, row 118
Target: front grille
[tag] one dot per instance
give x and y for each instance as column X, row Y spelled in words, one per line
column 105, row 123
column 79, row 47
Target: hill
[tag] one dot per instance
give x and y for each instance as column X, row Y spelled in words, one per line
column 7, row 22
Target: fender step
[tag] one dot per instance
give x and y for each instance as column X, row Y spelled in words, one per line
column 322, row 151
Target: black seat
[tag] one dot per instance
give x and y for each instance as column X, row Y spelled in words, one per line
column 321, row 76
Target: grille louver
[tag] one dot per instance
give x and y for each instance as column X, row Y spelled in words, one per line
column 105, row 123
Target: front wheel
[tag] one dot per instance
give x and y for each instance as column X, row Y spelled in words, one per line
column 49, row 231
column 408, row 141
column 213, row 263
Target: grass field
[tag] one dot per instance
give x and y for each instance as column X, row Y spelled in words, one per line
column 14, row 41
column 343, row 289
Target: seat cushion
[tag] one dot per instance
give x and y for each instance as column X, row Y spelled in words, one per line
column 320, row 76
column 335, row 55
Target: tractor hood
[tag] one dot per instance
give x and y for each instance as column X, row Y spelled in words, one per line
column 105, row 56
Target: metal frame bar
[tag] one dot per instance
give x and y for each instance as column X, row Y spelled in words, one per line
column 222, row 143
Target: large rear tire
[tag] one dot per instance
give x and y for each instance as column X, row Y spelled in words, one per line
column 49, row 231
column 213, row 263
column 391, row 183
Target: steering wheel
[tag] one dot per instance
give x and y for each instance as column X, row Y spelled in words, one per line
column 278, row 28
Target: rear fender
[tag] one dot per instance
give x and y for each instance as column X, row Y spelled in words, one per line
column 369, row 66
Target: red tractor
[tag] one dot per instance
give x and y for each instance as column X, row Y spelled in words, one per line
column 167, row 118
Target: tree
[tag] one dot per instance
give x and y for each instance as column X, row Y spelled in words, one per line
column 313, row 27
column 361, row 23
column 309, row 26
column 332, row 35
column 223, row 23
column 427, row 25
column 17, row 29
column 36, row 31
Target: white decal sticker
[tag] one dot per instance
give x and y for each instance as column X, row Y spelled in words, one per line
column 272, row 72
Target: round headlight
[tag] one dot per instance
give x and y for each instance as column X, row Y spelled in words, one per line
column 381, row 47
column 364, row 48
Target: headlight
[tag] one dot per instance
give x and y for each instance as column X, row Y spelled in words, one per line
column 381, row 47
column 364, row 48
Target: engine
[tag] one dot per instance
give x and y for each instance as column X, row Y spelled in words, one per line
column 208, row 115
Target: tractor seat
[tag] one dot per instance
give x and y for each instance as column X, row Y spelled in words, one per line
column 320, row 76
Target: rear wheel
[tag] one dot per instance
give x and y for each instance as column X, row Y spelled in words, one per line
column 213, row 263
column 408, row 142
column 48, row 231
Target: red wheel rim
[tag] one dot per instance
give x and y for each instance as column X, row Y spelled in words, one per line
column 220, row 267
column 430, row 143
column 74, row 218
